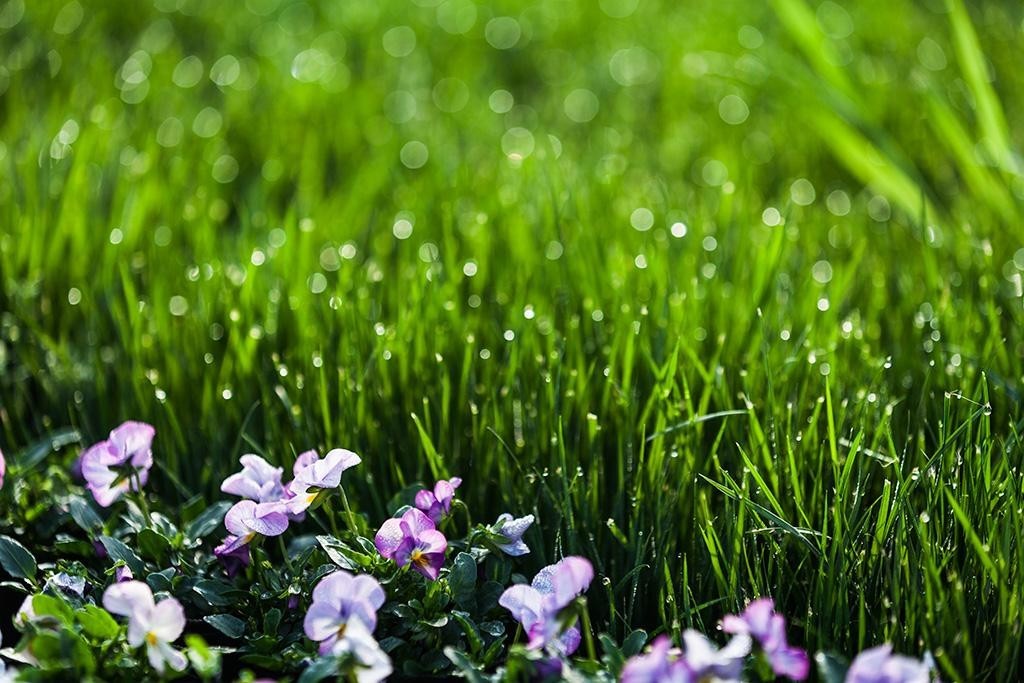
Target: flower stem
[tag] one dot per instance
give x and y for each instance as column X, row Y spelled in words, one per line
column 140, row 497
column 284, row 553
column 587, row 633
column 348, row 512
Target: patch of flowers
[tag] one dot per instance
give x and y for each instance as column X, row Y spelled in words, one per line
column 290, row 580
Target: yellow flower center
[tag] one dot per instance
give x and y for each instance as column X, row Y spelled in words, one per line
column 151, row 639
column 418, row 558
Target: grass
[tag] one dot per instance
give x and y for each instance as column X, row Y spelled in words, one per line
column 776, row 355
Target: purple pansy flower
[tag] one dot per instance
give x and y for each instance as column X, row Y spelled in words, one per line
column 233, row 555
column 880, row 665
column 121, row 463
column 704, row 661
column 246, row 520
column 765, row 625
column 339, row 599
column 413, row 538
column 3, row 469
column 155, row 624
column 317, row 476
column 258, row 481
column 72, row 586
column 438, row 503
column 537, row 606
column 122, row 574
column 509, row 534
column 662, row 664
column 371, row 663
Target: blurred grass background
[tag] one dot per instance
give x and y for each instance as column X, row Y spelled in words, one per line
column 727, row 293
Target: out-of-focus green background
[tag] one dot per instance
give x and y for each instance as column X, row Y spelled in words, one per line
column 727, row 293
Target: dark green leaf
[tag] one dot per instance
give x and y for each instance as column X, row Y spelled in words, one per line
column 342, row 555
column 34, row 454
column 831, row 668
column 16, row 559
column 153, row 546
column 84, row 515
column 390, row 643
column 634, row 642
column 462, row 580
column 118, row 551
column 161, row 581
column 216, row 593
column 321, row 669
column 271, row 620
column 208, row 521
column 229, row 625
column 464, row 665
column 470, row 630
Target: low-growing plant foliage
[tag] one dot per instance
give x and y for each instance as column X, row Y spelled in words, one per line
column 441, row 592
column 723, row 295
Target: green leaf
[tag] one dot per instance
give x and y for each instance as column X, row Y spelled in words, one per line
column 229, row 625
column 161, row 581
column 321, row 669
column 118, row 551
column 205, row 661
column 153, row 545
column 50, row 606
column 84, row 515
column 342, row 555
column 464, row 665
column 34, row 454
column 271, row 620
column 476, row 643
column 462, row 580
column 217, row 593
column 634, row 642
column 831, row 668
column 208, row 520
column 16, row 559
column 97, row 622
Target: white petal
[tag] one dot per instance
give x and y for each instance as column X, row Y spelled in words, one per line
column 128, row 598
column 168, row 620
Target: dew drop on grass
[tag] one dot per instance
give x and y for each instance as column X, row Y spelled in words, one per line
column 456, row 16
column 802, row 192
column 581, row 105
column 399, row 41
column 74, row 296
column 188, row 72
column 501, row 101
column 178, row 305
column 642, row 219
column 414, row 154
column 502, row 33
column 317, row 283
column 733, row 110
column 517, row 143
column 402, row 229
